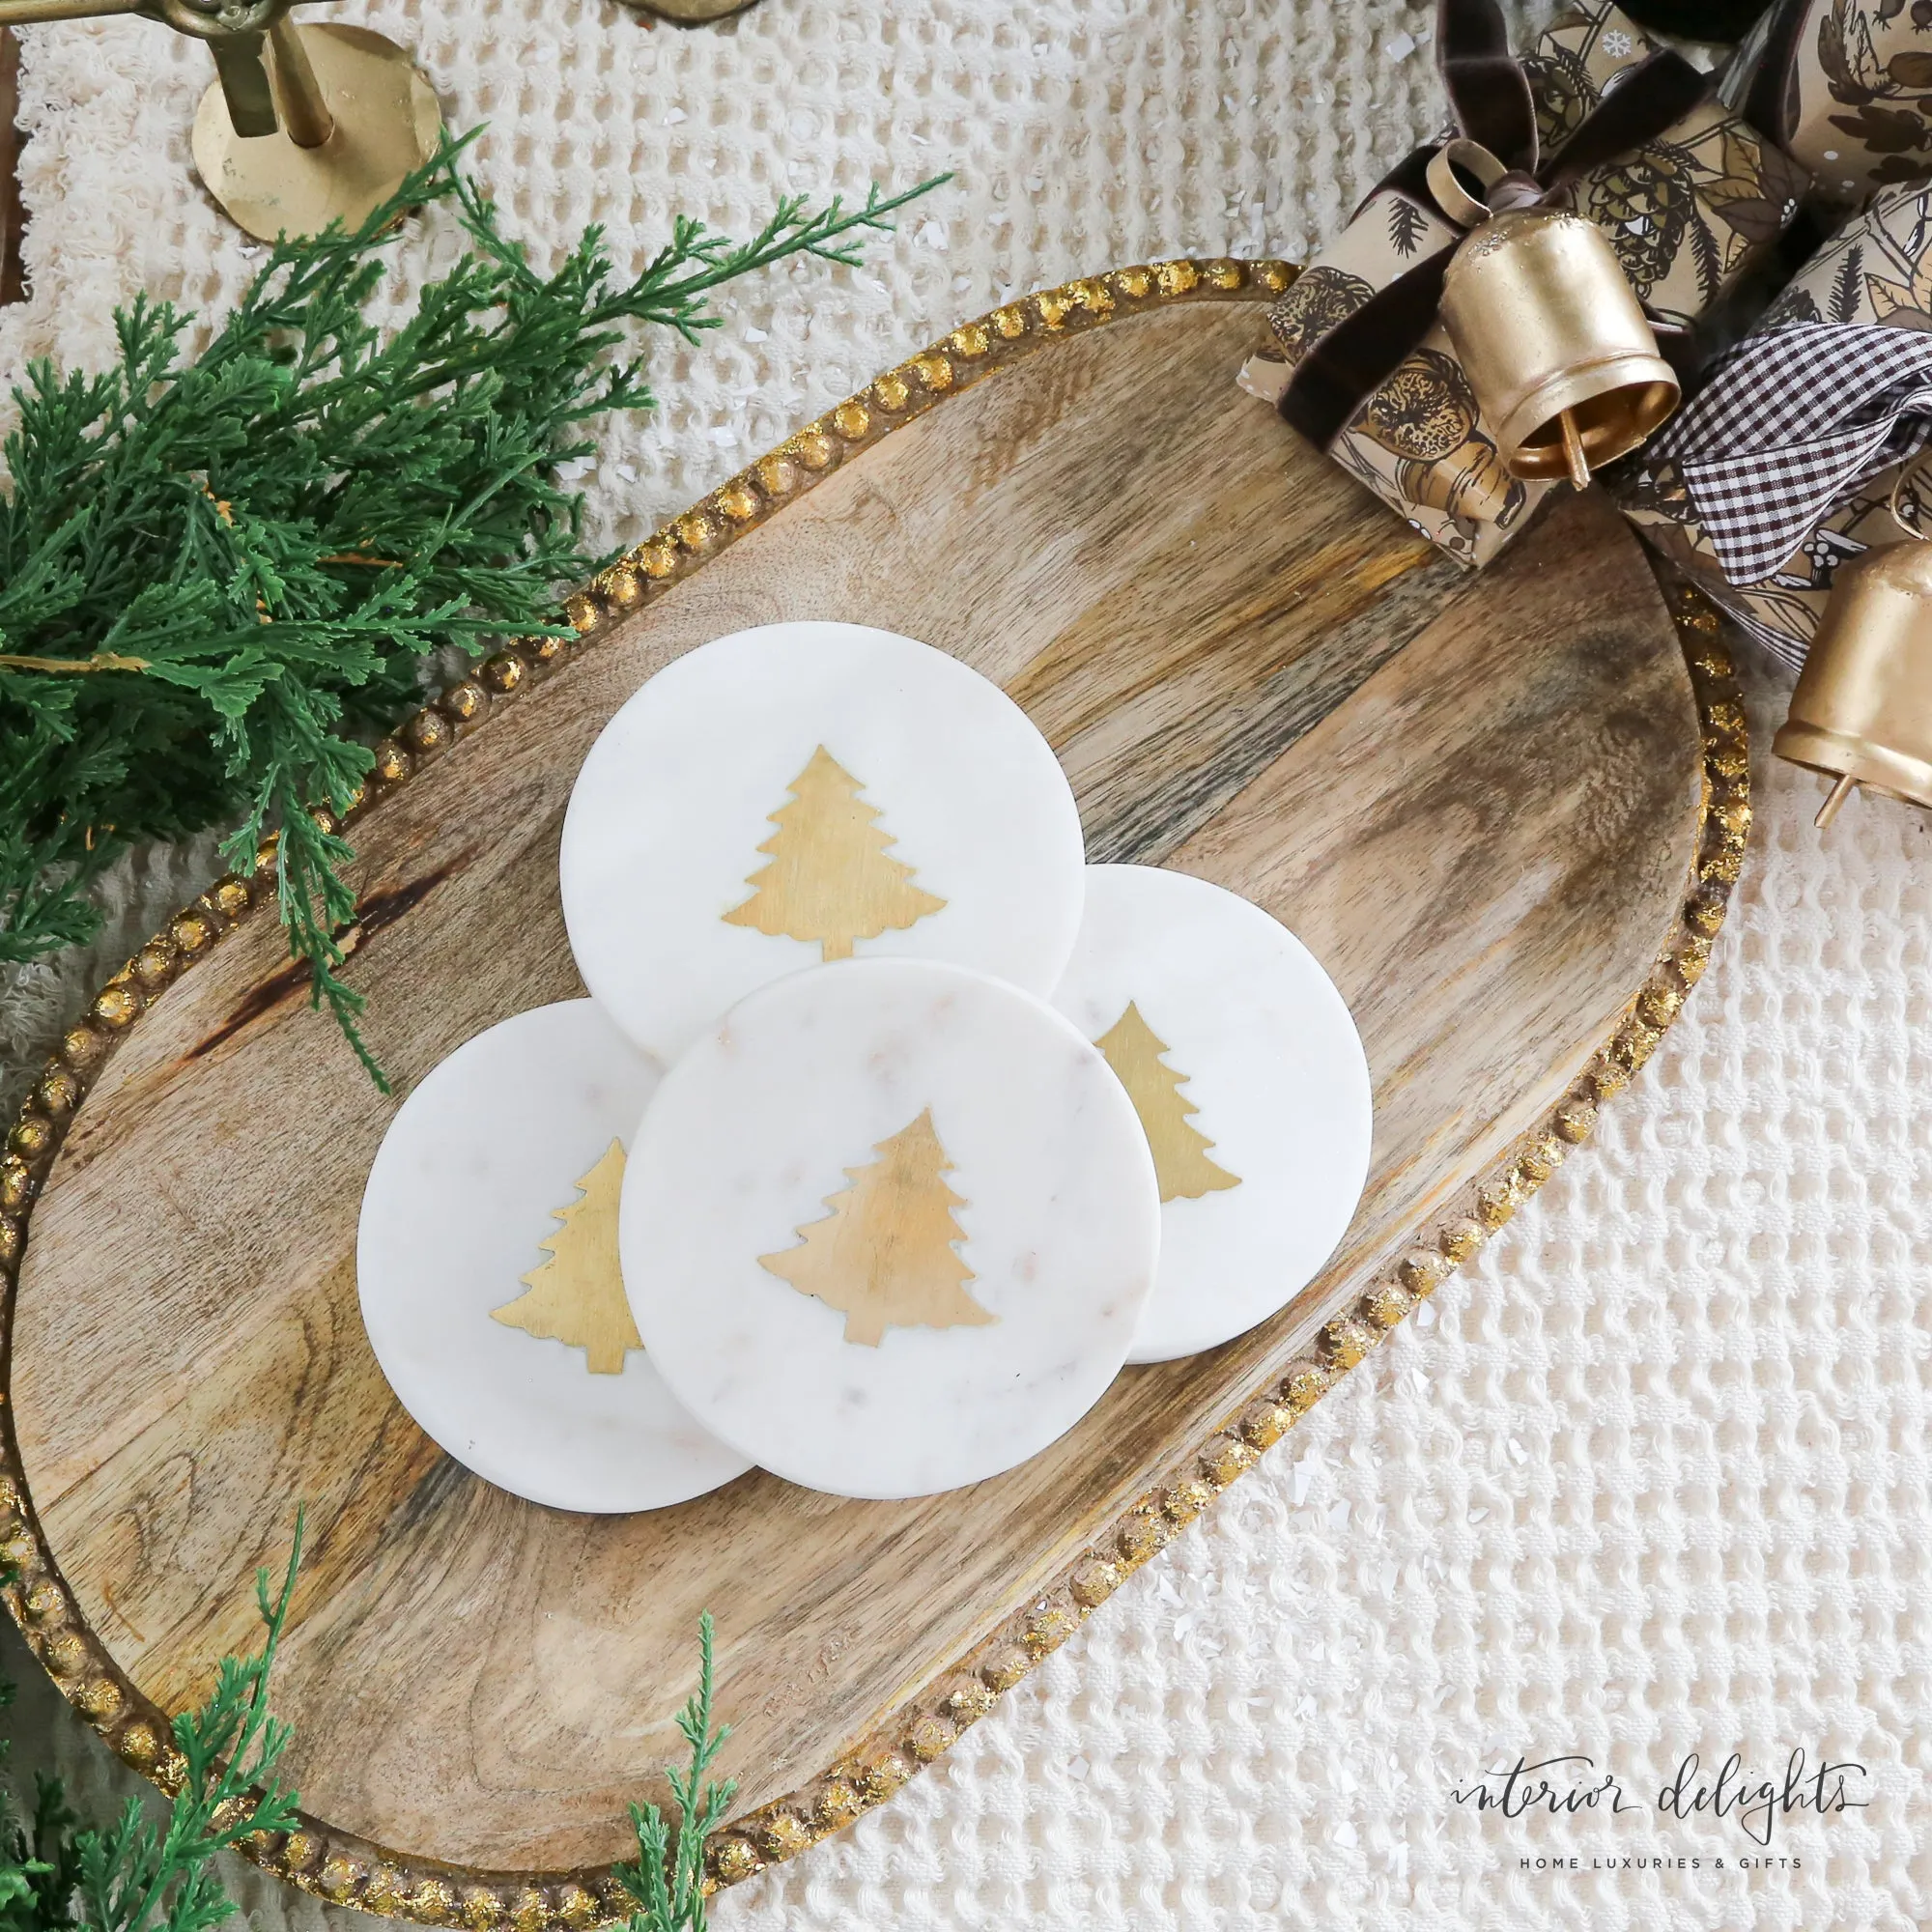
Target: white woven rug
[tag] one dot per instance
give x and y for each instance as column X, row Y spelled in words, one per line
column 1651, row 1476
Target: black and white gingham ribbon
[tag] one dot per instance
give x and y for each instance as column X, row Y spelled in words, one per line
column 1791, row 423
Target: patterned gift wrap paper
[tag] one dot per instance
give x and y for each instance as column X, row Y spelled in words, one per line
column 1844, row 87
column 1689, row 215
column 1876, row 269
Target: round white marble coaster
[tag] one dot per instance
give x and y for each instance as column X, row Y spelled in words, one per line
column 807, row 792
column 889, row 1227
column 1249, row 1076
column 487, row 1266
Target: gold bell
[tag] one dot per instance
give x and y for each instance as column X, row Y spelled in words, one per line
column 1554, row 343
column 1862, row 710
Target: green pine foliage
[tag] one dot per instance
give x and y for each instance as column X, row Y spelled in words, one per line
column 668, row 1877
column 39, row 1854
column 221, row 576
column 143, row 1876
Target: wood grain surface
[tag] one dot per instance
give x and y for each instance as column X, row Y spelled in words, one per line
column 1477, row 800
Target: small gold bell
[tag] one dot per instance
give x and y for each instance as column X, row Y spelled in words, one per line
column 1862, row 710
column 1556, row 345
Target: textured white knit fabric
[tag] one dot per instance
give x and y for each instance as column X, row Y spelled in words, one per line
column 1650, row 1477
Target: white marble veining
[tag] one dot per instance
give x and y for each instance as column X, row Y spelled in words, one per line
column 1252, row 1080
column 962, row 827
column 1028, row 1225
column 463, row 1193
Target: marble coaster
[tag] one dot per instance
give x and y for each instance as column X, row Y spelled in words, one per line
column 889, row 1227
column 487, row 1266
column 810, row 792
column 1250, row 1079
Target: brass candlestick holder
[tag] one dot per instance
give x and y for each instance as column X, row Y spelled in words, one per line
column 303, row 125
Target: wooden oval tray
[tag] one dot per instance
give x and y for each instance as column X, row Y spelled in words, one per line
column 1504, row 809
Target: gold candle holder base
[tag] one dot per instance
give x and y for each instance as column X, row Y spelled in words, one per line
column 386, row 123
column 691, row 12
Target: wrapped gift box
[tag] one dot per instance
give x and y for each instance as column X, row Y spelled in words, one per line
column 1845, row 88
column 1689, row 215
column 1876, row 269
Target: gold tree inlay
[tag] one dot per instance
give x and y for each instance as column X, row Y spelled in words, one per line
column 577, row 1296
column 832, row 876
column 884, row 1255
column 1180, row 1162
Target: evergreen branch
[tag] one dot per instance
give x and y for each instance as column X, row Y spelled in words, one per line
column 138, row 1876
column 38, row 1869
column 220, row 577
column 792, row 230
column 133, row 1878
column 666, row 1879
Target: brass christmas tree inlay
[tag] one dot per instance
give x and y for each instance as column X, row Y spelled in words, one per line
column 884, row 1256
column 830, row 878
column 577, row 1296
column 1180, row 1162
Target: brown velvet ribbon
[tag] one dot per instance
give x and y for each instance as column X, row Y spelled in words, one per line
column 1770, row 104
column 1490, row 98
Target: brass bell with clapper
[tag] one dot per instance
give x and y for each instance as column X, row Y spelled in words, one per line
column 302, row 127
column 1557, row 348
column 1862, row 712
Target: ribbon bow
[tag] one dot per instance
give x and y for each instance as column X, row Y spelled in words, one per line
column 1497, row 147
column 1794, row 422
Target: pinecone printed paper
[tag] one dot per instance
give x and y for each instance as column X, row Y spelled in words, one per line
column 1647, row 204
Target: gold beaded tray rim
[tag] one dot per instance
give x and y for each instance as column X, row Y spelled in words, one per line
column 345, row 1870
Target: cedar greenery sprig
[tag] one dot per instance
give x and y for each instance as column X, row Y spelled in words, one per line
column 39, row 1857
column 668, row 1877
column 136, row 1876
column 221, row 576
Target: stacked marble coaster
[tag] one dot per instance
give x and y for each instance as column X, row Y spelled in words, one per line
column 890, row 1130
